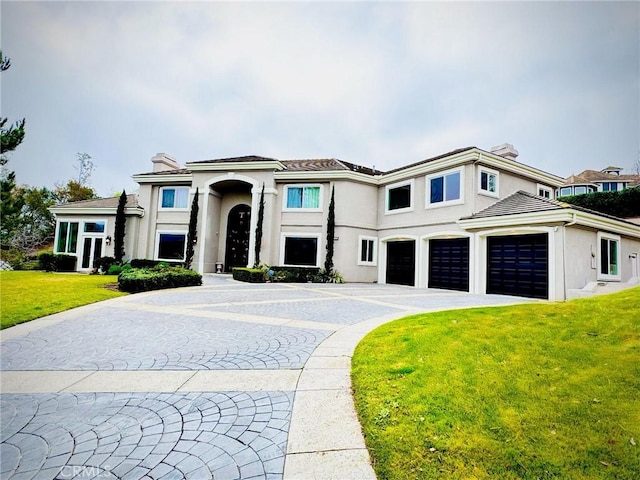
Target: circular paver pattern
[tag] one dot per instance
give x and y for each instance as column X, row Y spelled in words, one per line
column 158, row 436
column 132, row 340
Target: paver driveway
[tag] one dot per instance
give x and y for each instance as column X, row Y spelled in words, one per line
column 224, row 381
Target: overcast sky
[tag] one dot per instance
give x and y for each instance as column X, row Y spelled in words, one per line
column 384, row 84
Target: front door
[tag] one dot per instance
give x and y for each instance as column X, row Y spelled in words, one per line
column 237, row 246
column 91, row 251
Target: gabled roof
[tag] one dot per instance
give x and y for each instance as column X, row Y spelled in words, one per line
column 326, row 165
column 107, row 202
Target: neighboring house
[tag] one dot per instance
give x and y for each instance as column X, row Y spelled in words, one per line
column 607, row 180
column 468, row 220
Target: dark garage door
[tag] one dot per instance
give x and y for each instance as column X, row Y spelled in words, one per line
column 518, row 265
column 449, row 264
column 401, row 262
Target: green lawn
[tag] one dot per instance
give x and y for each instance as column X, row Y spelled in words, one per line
column 532, row 391
column 28, row 295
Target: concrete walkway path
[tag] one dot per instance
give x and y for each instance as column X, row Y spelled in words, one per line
column 227, row 380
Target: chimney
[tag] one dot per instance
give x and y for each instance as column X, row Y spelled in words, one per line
column 505, row 150
column 163, row 162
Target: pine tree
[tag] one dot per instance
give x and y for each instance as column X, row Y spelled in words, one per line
column 258, row 245
column 192, row 234
column 119, row 233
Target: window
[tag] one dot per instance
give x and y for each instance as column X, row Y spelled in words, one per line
column 67, row 241
column 171, row 246
column 301, row 250
column 174, row 197
column 610, row 186
column 544, row 191
column 445, row 188
column 564, row 191
column 488, row 182
column 94, row 227
column 367, row 251
column 399, row 197
column 579, row 190
column 609, row 255
column 303, row 197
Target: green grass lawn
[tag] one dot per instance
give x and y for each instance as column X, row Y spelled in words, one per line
column 28, row 295
column 532, row 391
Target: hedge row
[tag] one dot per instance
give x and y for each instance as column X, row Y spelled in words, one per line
column 157, row 278
column 51, row 262
column 625, row 203
column 279, row 274
column 249, row 275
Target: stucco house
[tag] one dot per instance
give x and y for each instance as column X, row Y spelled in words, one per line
column 468, row 220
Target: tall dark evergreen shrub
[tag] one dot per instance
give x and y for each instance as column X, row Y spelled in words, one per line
column 258, row 245
column 192, row 234
column 119, row 233
column 331, row 228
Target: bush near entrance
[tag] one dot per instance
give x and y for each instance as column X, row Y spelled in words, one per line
column 159, row 277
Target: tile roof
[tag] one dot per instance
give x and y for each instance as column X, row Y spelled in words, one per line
column 107, row 202
column 525, row 202
column 326, row 164
column 247, row 158
column 519, row 202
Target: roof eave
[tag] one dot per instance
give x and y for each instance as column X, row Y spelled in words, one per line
column 565, row 215
column 172, row 179
column 229, row 166
column 317, row 175
column 64, row 210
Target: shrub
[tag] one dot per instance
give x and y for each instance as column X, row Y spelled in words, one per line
column 105, row 263
column 250, row 275
column 144, row 279
column 146, row 263
column 56, row 263
column 65, row 263
column 114, row 270
column 624, row 203
column 46, row 262
column 295, row 274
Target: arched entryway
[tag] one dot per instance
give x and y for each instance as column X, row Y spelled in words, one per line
column 238, row 233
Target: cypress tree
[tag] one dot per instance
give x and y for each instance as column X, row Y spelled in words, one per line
column 119, row 233
column 192, row 234
column 331, row 227
column 258, row 245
